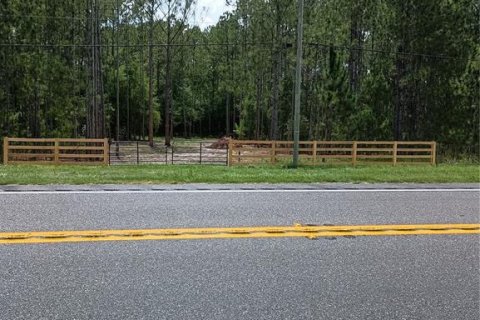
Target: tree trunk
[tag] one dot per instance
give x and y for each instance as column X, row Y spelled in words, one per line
column 150, row 76
column 356, row 43
column 142, row 132
column 227, row 99
column 275, row 95
column 400, row 98
column 258, row 105
column 35, row 115
column 184, row 120
column 168, row 96
column 95, row 110
column 277, row 69
column 100, row 118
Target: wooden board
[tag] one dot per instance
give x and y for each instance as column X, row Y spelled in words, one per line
column 79, row 151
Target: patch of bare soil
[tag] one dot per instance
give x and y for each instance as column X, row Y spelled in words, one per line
column 221, row 143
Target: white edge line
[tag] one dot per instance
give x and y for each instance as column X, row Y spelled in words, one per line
column 235, row 191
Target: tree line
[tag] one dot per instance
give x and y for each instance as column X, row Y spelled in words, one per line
column 135, row 69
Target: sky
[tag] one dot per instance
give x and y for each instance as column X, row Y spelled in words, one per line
column 208, row 12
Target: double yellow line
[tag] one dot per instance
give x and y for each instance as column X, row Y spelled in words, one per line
column 307, row 231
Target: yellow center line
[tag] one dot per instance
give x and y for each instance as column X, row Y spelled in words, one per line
column 294, row 231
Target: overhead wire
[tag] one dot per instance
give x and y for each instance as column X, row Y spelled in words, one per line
column 264, row 44
column 258, row 44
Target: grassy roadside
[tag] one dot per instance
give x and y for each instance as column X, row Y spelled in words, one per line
column 157, row 174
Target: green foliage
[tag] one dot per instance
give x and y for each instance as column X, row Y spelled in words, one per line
column 372, row 70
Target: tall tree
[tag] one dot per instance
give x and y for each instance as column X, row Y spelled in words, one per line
column 176, row 14
column 95, row 113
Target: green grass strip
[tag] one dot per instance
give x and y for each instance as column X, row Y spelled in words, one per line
column 157, row 174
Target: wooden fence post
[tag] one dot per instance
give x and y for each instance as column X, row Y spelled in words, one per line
column 5, row 150
column 314, row 152
column 230, row 152
column 138, row 153
column 106, row 151
column 273, row 152
column 395, row 148
column 354, row 153
column 433, row 151
column 56, row 152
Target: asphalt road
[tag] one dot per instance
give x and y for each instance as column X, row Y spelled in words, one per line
column 403, row 277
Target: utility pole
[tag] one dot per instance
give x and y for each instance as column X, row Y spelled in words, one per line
column 117, row 19
column 150, row 72
column 91, row 133
column 298, row 85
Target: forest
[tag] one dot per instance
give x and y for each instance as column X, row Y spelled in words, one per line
column 139, row 69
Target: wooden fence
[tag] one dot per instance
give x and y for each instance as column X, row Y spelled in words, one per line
column 55, row 151
column 316, row 152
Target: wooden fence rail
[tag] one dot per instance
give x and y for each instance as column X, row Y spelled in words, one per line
column 316, row 152
column 55, row 151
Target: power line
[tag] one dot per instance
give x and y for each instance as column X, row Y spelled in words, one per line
column 131, row 45
column 107, row 9
column 268, row 46
column 44, row 17
column 387, row 52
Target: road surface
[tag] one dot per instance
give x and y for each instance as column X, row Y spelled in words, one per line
column 397, row 277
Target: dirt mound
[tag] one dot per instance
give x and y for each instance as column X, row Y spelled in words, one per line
column 221, row 143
